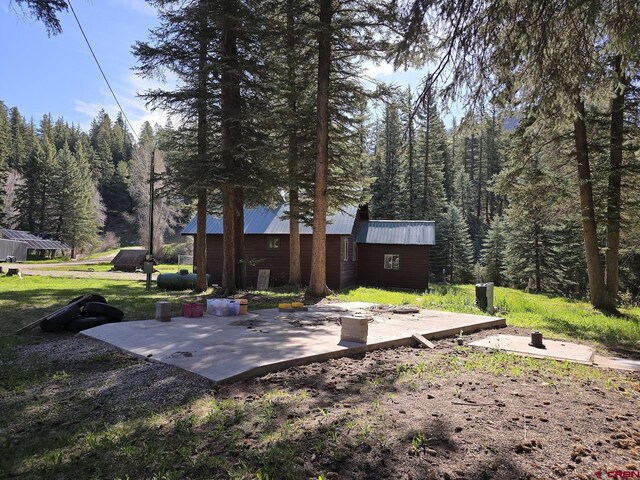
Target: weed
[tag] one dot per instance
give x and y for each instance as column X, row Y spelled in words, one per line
column 419, row 443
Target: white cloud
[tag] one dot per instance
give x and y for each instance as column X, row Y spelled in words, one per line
column 140, row 6
column 133, row 106
column 377, row 70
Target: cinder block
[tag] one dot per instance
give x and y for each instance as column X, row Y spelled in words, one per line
column 163, row 311
column 354, row 329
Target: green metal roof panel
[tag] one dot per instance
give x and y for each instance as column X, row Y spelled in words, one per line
column 398, row 232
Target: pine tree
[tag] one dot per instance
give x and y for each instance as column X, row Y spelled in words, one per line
column 389, row 169
column 291, row 73
column 75, row 215
column 20, row 140
column 435, row 157
column 47, row 12
column 456, row 246
column 34, row 194
column 318, row 280
column 596, row 45
column 493, row 255
column 5, row 150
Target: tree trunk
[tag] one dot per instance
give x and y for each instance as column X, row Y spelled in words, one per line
column 614, row 186
column 228, row 241
column 318, row 280
column 412, row 198
column 295, row 274
column 427, row 140
column 230, row 106
column 238, row 238
column 597, row 289
column 538, row 253
column 479, row 201
column 202, row 148
column 201, row 242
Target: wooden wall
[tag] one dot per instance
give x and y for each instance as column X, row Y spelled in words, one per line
column 260, row 256
column 413, row 272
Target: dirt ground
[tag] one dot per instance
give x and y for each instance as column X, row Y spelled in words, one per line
column 406, row 413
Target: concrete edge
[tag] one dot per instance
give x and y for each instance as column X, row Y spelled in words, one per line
column 494, row 323
column 356, row 350
column 540, row 357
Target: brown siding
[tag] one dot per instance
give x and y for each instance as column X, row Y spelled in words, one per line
column 259, row 256
column 413, row 272
column 348, row 268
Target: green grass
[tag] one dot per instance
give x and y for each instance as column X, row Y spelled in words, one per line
column 58, row 428
column 48, row 260
column 23, row 300
column 106, row 267
column 553, row 316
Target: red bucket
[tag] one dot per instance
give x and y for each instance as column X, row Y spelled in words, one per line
column 192, row 310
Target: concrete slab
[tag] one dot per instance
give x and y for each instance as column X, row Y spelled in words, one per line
column 555, row 349
column 617, row 363
column 231, row 348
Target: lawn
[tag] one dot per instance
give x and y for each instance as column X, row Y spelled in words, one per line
column 77, row 408
column 106, row 267
column 23, row 300
column 553, row 316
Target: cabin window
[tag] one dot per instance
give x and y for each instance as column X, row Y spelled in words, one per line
column 355, row 251
column 345, row 248
column 273, row 242
column 391, row 261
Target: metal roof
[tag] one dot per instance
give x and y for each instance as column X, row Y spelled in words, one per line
column 398, row 232
column 131, row 256
column 266, row 220
column 33, row 242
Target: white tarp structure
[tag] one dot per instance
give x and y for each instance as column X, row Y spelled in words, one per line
column 13, row 248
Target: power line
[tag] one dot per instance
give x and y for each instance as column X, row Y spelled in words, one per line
column 102, row 71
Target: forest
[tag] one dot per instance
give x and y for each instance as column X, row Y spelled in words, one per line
column 535, row 186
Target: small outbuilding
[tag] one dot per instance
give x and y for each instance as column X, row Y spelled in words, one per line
column 129, row 260
column 395, row 253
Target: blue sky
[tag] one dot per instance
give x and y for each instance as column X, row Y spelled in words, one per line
column 57, row 74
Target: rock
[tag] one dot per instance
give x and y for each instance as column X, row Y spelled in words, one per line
column 331, row 475
column 431, row 451
column 631, row 466
column 430, row 397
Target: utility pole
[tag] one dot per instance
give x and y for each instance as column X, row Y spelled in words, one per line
column 148, row 264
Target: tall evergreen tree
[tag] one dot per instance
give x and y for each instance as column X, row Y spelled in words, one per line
column 318, row 280
column 76, row 215
column 5, row 150
column 493, row 255
column 597, row 45
column 388, row 187
column 456, row 246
